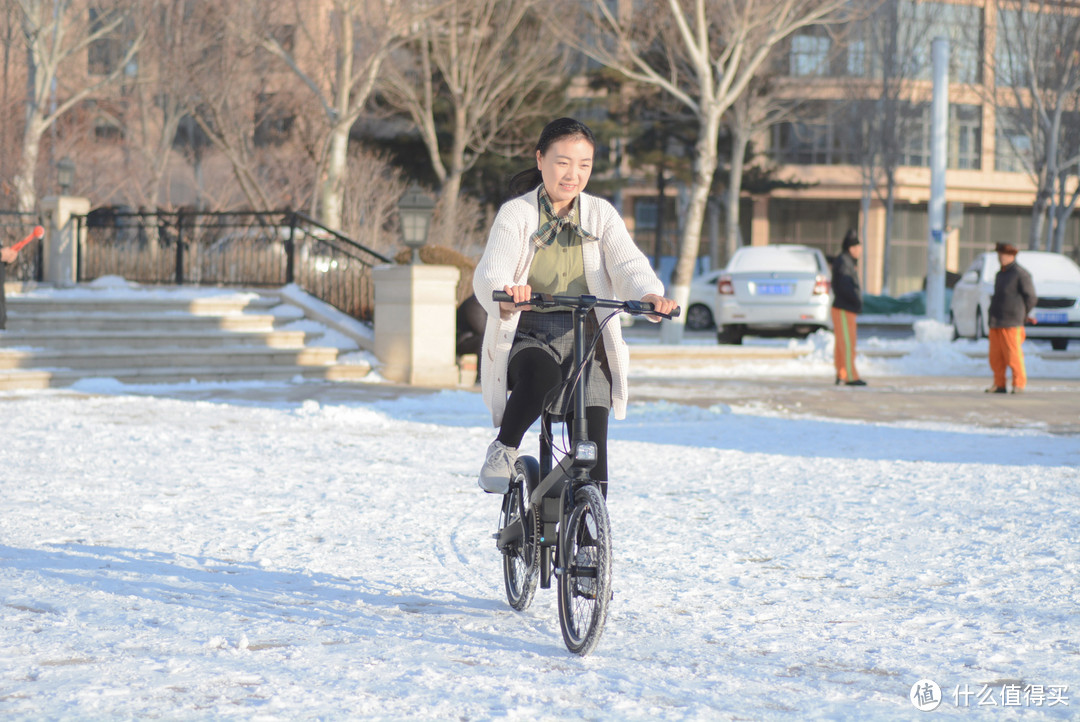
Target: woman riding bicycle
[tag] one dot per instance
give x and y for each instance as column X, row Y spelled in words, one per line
column 553, row 238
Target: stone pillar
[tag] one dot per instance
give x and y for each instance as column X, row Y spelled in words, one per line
column 415, row 324
column 60, row 252
column 759, row 224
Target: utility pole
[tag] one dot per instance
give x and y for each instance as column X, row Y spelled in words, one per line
column 939, row 147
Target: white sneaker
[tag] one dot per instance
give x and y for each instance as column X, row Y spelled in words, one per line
column 498, row 468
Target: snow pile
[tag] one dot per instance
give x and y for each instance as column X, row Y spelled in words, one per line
column 928, row 330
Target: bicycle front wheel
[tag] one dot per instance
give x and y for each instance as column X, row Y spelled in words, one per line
column 585, row 581
column 521, row 559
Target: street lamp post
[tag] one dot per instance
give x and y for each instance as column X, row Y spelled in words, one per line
column 65, row 174
column 415, row 209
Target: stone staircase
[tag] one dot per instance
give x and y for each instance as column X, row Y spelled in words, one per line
column 56, row 338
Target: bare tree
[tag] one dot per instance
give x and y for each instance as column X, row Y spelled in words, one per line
column 67, row 40
column 704, row 53
column 1038, row 102
column 338, row 55
column 477, row 72
column 757, row 109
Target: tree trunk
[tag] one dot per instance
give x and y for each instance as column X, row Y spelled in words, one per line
column 25, row 190
column 739, row 142
column 705, row 162
column 1038, row 218
column 886, row 245
column 332, row 188
column 661, row 193
column 451, row 187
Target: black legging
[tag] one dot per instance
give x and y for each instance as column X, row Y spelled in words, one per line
column 532, row 374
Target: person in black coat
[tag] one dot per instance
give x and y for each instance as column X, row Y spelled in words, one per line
column 847, row 304
column 1013, row 300
column 7, row 255
column 471, row 322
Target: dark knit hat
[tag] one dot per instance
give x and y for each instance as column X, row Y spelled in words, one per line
column 1006, row 248
column 851, row 238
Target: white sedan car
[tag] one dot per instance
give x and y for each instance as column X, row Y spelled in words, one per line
column 701, row 308
column 1057, row 282
column 779, row 290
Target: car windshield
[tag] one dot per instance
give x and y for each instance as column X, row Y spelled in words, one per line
column 766, row 258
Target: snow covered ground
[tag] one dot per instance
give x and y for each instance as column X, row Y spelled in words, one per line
column 330, row 558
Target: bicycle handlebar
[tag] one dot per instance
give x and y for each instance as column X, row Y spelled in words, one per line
column 547, row 300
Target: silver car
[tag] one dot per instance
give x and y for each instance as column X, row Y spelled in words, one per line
column 1057, row 283
column 779, row 290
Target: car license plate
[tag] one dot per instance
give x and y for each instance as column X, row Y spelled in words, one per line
column 1052, row 318
column 774, row 289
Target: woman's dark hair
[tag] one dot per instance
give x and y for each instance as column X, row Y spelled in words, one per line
column 554, row 131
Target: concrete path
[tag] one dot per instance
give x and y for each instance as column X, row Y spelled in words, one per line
column 1047, row 405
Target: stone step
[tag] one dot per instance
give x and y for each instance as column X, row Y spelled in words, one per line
column 160, row 336
column 48, row 359
column 160, row 322
column 149, row 339
column 60, row 378
column 215, row 305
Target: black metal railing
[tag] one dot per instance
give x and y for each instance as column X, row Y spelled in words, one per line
column 230, row 248
column 14, row 226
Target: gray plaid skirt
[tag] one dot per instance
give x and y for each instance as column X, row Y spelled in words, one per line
column 554, row 333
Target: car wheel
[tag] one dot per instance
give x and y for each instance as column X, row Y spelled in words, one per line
column 980, row 328
column 1059, row 344
column 729, row 335
column 699, row 317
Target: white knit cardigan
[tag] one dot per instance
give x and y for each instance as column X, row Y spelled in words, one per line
column 614, row 268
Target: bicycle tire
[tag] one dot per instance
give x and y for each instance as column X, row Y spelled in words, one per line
column 521, row 560
column 585, row 582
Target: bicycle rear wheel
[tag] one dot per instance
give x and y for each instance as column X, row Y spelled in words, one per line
column 585, row 582
column 521, row 559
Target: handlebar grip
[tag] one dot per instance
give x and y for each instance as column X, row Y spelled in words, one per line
column 501, row 296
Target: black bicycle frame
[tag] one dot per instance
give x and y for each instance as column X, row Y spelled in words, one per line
column 554, row 494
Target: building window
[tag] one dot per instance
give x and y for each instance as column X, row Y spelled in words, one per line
column 106, row 52
column 822, row 137
column 857, row 65
column 921, row 22
column 273, row 121
column 107, row 130
column 965, row 136
column 645, row 214
column 1012, row 150
column 817, row 223
column 809, row 56
column 1024, row 37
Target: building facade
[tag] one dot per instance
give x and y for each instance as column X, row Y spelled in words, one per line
column 849, row 89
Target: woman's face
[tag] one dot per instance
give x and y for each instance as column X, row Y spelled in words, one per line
column 566, row 167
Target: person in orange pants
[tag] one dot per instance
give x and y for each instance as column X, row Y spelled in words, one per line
column 1006, row 353
column 845, row 330
column 847, row 304
column 1014, row 298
